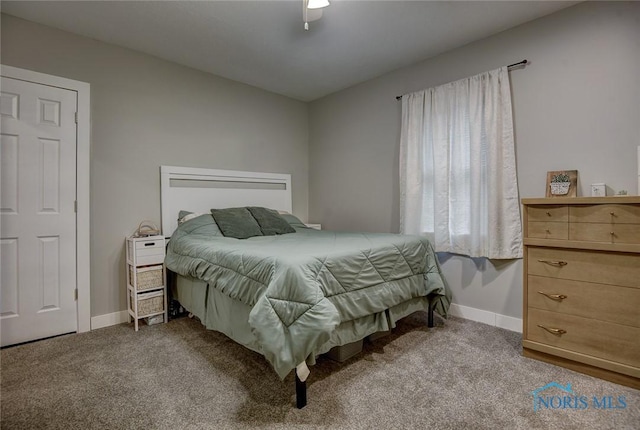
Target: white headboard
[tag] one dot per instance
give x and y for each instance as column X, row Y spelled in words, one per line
column 199, row 190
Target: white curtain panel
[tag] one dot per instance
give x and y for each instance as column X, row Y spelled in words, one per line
column 458, row 182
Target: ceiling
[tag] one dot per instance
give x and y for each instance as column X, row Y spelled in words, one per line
column 264, row 44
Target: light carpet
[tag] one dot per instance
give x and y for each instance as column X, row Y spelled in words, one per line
column 458, row 375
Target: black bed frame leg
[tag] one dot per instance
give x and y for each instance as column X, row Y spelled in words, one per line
column 430, row 316
column 301, row 393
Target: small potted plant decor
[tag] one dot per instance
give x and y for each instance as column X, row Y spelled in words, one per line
column 560, row 184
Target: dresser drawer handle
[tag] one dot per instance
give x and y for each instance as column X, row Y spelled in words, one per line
column 554, row 262
column 556, row 331
column 553, row 296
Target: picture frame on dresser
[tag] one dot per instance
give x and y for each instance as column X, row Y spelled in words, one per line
column 562, row 183
column 581, row 285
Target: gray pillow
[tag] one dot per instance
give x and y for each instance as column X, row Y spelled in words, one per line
column 293, row 220
column 236, row 222
column 183, row 214
column 270, row 221
column 203, row 224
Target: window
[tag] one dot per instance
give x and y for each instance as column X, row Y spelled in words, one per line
column 458, row 182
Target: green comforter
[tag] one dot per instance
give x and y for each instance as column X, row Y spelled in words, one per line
column 302, row 285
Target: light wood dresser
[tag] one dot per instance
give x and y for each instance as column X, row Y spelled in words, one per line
column 582, row 285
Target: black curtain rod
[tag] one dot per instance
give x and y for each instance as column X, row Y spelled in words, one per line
column 521, row 63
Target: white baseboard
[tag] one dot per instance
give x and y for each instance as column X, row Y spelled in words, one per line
column 107, row 320
column 486, row 317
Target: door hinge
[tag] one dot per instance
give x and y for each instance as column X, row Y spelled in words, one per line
column 75, row 206
column 76, row 117
column 75, row 294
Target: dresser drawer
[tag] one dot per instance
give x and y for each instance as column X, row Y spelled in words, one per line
column 619, row 305
column 150, row 244
column 556, row 213
column 608, row 233
column 146, row 260
column 146, row 251
column 151, row 255
column 601, row 339
column 606, row 213
column 590, row 266
column 548, row 230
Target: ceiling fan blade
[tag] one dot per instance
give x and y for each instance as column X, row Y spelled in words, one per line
column 314, row 14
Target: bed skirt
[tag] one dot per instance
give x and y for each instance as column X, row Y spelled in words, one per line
column 217, row 311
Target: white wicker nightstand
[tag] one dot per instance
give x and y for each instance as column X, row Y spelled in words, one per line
column 146, row 278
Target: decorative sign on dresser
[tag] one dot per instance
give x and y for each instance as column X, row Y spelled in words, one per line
column 582, row 285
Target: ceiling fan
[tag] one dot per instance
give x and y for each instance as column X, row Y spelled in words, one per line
column 312, row 11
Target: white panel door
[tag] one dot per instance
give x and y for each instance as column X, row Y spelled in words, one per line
column 38, row 220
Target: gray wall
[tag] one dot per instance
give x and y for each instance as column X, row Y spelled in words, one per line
column 147, row 112
column 576, row 106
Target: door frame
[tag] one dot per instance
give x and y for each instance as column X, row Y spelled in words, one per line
column 83, row 143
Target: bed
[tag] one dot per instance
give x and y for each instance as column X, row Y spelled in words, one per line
column 291, row 296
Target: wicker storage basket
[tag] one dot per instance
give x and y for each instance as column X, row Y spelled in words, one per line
column 146, row 277
column 148, row 303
